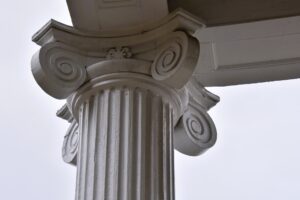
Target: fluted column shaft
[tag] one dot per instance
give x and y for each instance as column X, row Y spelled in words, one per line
column 126, row 146
column 125, row 91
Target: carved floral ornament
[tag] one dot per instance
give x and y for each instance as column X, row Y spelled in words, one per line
column 70, row 63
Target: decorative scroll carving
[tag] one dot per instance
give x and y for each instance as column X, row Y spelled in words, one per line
column 195, row 132
column 58, row 69
column 71, row 139
column 166, row 62
column 202, row 96
column 70, row 145
column 176, row 60
column 119, row 53
column 65, row 113
column 125, row 107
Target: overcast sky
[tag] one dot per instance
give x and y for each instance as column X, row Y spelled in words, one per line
column 256, row 156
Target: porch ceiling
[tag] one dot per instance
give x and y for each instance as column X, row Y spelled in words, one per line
column 224, row 12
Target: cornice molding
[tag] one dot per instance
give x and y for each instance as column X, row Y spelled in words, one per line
column 173, row 54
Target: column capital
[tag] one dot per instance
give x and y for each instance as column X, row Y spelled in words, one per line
column 165, row 53
column 61, row 65
column 131, row 98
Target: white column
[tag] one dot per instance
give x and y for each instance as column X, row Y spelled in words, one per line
column 126, row 145
column 126, row 95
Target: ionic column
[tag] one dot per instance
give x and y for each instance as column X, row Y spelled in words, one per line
column 131, row 99
column 126, row 145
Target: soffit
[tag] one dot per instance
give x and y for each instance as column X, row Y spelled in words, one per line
column 221, row 12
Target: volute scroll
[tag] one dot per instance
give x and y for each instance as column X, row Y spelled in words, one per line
column 71, row 143
column 59, row 69
column 196, row 132
column 71, row 138
column 176, row 59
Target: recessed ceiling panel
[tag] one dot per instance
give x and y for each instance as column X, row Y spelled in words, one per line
column 221, row 12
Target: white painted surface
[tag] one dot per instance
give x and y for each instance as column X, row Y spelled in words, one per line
column 126, row 94
column 108, row 15
column 230, row 168
column 126, row 146
column 249, row 53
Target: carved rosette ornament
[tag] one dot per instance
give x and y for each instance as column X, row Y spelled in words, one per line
column 130, row 101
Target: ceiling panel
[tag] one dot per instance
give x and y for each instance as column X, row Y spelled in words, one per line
column 249, row 53
column 221, row 12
